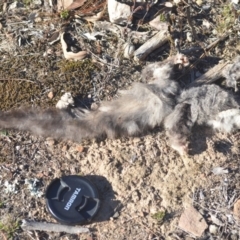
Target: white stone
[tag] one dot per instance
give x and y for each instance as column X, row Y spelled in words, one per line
column 213, row 229
column 65, row 101
column 119, row 13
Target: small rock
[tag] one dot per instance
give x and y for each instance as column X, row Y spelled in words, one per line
column 177, row 1
column 193, row 222
column 65, row 101
column 189, row 37
column 199, row 2
column 213, row 229
column 119, row 13
column 129, row 49
column 18, row 148
column 116, row 215
column 37, row 2
column 38, row 19
column 50, row 95
column 236, row 209
column 206, row 23
column 79, row 148
column 214, row 32
column 219, row 170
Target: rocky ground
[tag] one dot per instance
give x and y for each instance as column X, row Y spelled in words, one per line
column 147, row 190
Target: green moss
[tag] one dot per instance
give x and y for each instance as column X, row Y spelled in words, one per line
column 9, row 227
column 162, row 17
column 64, row 14
column 84, row 67
column 27, row 2
column 226, row 20
column 159, row 216
column 3, row 133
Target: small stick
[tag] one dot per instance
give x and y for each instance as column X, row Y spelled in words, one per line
column 155, row 42
column 52, row 227
column 17, row 79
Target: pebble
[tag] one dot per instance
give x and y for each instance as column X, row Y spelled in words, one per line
column 38, row 19
column 192, row 221
column 79, row 148
column 37, row 2
column 189, row 37
column 213, row 229
column 129, row 49
column 116, row 215
column 118, row 12
column 50, row 95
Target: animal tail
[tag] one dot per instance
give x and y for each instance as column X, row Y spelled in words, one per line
column 61, row 124
column 76, row 126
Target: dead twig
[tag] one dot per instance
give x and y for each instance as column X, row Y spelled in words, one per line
column 16, row 79
column 155, row 42
column 52, row 227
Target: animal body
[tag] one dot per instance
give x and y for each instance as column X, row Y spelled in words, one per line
column 139, row 109
column 146, row 105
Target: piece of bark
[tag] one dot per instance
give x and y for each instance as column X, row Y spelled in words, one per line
column 52, row 227
column 211, row 75
column 71, row 55
column 155, row 42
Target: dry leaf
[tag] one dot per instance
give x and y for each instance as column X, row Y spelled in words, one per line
column 97, row 16
column 76, row 4
column 71, row 55
column 63, row 4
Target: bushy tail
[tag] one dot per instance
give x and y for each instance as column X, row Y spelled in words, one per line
column 84, row 124
column 53, row 123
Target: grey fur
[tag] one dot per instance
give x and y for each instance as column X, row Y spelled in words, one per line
column 137, row 110
column 198, row 105
column 233, row 74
